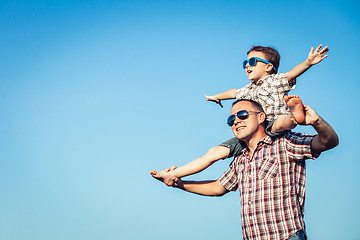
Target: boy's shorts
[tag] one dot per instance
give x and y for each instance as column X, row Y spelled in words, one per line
column 236, row 146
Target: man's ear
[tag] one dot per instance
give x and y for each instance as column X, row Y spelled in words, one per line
column 261, row 117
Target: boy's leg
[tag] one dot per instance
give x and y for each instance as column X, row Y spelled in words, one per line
column 273, row 133
column 235, row 145
column 280, row 124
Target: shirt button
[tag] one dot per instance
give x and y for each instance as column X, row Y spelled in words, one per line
column 249, row 203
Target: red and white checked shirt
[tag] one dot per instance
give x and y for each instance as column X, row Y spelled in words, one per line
column 269, row 92
column 272, row 186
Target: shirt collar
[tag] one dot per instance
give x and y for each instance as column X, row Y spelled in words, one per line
column 261, row 81
column 265, row 140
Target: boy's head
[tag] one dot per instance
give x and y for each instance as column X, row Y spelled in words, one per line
column 258, row 71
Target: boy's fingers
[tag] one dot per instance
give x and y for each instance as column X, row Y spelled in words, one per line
column 318, row 48
column 325, row 49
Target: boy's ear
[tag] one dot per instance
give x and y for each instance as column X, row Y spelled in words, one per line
column 269, row 68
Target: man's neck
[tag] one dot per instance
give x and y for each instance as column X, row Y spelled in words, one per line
column 253, row 141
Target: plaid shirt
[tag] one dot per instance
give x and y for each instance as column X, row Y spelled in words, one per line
column 269, row 92
column 272, row 186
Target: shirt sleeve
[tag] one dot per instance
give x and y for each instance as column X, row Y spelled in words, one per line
column 298, row 146
column 243, row 93
column 229, row 179
column 235, row 146
column 282, row 83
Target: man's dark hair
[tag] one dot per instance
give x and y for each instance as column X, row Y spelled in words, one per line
column 255, row 104
column 272, row 55
column 257, row 107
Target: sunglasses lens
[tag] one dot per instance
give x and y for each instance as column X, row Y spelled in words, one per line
column 231, row 120
column 252, row 61
column 244, row 63
column 242, row 115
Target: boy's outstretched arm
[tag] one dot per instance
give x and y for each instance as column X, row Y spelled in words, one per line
column 205, row 188
column 229, row 94
column 314, row 58
column 214, row 154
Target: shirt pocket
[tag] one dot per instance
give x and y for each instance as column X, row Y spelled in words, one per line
column 269, row 168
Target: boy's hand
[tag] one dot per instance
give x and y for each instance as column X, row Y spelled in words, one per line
column 164, row 175
column 318, row 55
column 213, row 99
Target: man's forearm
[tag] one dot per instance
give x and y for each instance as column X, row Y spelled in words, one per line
column 326, row 138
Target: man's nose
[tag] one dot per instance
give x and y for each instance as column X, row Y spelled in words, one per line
column 237, row 120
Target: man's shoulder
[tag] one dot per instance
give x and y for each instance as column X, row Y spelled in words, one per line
column 297, row 137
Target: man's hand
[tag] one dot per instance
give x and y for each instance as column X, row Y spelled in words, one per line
column 318, row 55
column 311, row 116
column 213, row 99
column 178, row 183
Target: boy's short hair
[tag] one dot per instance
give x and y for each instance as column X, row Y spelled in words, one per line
column 271, row 54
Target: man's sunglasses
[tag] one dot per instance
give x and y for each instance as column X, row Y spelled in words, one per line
column 252, row 62
column 242, row 115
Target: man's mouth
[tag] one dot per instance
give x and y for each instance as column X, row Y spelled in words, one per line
column 248, row 71
column 239, row 128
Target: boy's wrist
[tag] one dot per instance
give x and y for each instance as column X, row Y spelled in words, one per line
column 308, row 63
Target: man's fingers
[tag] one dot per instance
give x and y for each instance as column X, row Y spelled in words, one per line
column 220, row 104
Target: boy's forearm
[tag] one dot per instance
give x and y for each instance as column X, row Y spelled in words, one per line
column 229, row 94
column 298, row 70
column 201, row 163
column 205, row 188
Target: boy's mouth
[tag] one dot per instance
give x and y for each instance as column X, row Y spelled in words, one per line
column 248, row 71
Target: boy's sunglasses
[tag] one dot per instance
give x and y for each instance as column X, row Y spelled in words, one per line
column 242, row 115
column 252, row 62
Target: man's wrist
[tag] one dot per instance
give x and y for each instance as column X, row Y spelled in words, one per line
column 316, row 122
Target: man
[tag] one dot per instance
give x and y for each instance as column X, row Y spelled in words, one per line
column 269, row 173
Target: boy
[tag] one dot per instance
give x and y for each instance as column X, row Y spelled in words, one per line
column 270, row 90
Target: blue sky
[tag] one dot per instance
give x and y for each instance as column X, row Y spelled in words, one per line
column 94, row 94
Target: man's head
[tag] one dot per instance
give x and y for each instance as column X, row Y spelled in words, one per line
column 267, row 61
column 247, row 120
